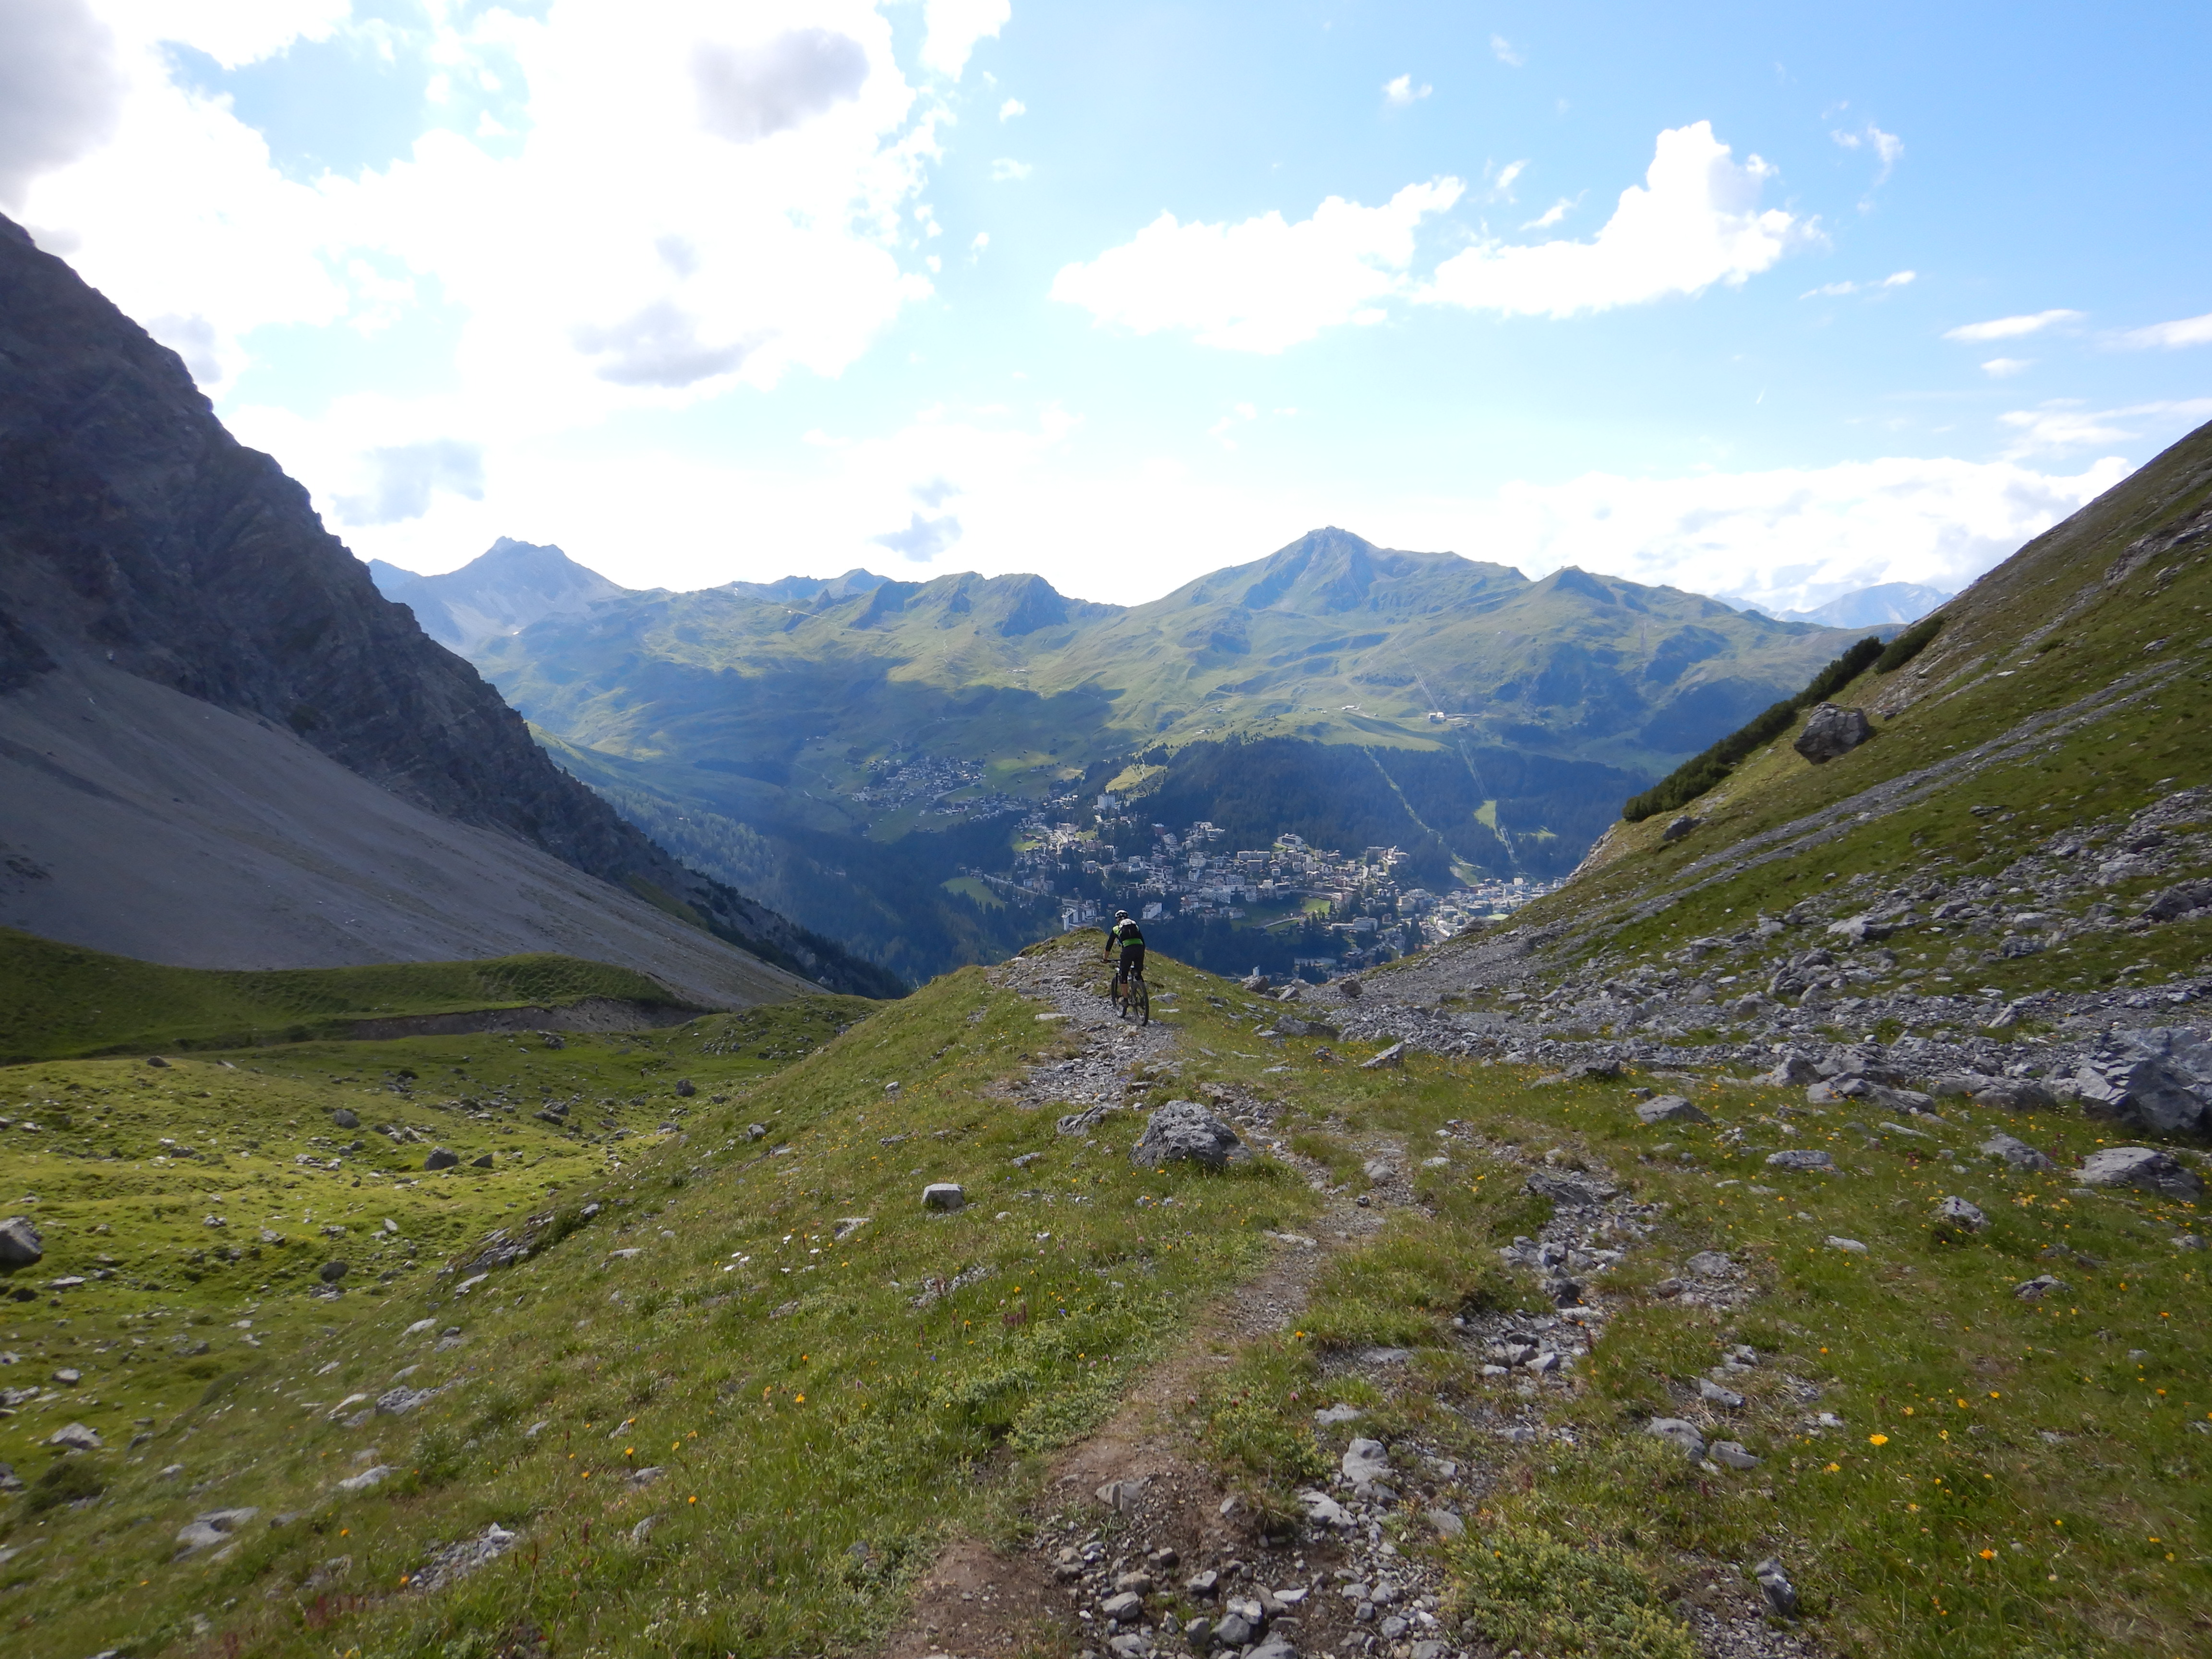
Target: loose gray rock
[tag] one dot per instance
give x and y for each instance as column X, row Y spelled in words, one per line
column 1806, row 1160
column 1957, row 1212
column 458, row 1561
column 2145, row 1169
column 19, row 1243
column 1849, row 1246
column 1365, row 1462
column 369, row 1477
column 75, row 1436
column 345, row 1118
column 2017, row 1153
column 943, row 1195
column 2039, row 1287
column 1338, row 1414
column 1573, row 1189
column 1774, row 1584
column 1795, row 1073
column 1734, row 1455
column 215, row 1527
column 1831, row 731
column 1183, row 1131
column 1447, row 1524
column 1679, row 828
column 685, row 1088
column 1393, row 1056
column 1670, row 1108
column 1125, row 1608
column 1708, row 1264
column 330, row 1271
column 1320, row 1506
column 1710, row 1390
column 1679, row 1433
column 441, row 1158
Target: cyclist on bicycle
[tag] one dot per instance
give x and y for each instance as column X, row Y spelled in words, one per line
column 1131, row 937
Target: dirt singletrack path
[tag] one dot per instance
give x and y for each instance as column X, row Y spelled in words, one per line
column 976, row 1602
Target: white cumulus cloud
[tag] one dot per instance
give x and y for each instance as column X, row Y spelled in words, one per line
column 1789, row 538
column 1263, row 284
column 2010, row 328
column 1694, row 222
column 695, row 197
column 1402, row 93
column 1888, row 147
column 2004, row 369
column 1012, row 107
column 953, row 27
column 1834, row 291
column 2185, row 331
column 1506, row 52
column 2063, row 425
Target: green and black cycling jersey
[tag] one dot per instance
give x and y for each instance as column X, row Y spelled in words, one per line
column 1124, row 933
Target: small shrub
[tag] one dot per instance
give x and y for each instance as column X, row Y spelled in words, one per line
column 1524, row 1588
column 1914, row 640
column 69, row 1481
column 1245, row 1430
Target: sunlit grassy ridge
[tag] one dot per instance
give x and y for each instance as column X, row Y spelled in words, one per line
column 63, row 1000
column 2068, row 689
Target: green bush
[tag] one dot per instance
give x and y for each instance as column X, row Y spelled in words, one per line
column 1908, row 644
column 1244, row 1429
column 1694, row 776
column 68, row 1481
column 1524, row 1588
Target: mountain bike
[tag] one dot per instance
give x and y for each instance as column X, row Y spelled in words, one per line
column 1134, row 996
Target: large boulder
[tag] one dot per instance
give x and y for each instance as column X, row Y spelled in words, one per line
column 1830, row 732
column 2145, row 1169
column 2159, row 1083
column 1183, row 1131
column 19, row 1243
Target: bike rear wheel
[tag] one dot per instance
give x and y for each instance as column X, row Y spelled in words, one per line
column 1140, row 1000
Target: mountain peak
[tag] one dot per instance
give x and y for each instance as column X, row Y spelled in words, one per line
column 502, row 590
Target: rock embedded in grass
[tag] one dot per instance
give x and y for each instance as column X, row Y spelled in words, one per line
column 1670, row 1108
column 1832, row 731
column 1184, row 1132
column 2145, row 1169
column 344, row 1118
column 20, row 1245
column 75, row 1436
column 330, row 1271
column 1955, row 1211
column 1806, row 1159
column 1729, row 1452
column 2017, row 1153
column 943, row 1195
column 2041, row 1285
column 441, row 1158
column 1679, row 1433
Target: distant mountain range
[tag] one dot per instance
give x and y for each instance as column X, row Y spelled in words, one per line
column 1353, row 693
column 1865, row 607
column 219, row 747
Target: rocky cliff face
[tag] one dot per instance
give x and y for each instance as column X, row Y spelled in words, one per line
column 134, row 529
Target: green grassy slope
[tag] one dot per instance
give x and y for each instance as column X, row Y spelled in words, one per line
column 805, row 1387
column 2070, row 690
column 61, row 999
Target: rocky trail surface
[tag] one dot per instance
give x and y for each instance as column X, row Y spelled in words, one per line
column 1135, row 1546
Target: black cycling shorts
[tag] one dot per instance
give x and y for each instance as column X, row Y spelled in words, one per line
column 1133, row 960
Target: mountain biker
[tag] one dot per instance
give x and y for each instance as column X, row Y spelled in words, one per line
column 1131, row 937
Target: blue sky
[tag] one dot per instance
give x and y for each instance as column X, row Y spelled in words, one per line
column 1777, row 301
